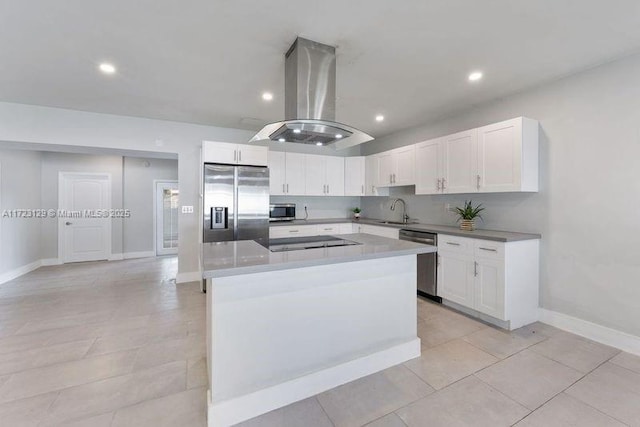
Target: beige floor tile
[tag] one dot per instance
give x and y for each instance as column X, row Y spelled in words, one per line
column 166, row 351
column 307, row 413
column 26, row 412
column 469, row 402
column 449, row 362
column 102, row 420
column 391, row 420
column 613, row 390
column 65, row 321
column 444, row 325
column 501, row 343
column 114, row 393
column 367, row 399
column 563, row 410
column 197, row 373
column 187, row 408
column 64, row 375
column 576, row 352
column 43, row 356
column 540, row 328
column 529, row 378
column 628, row 361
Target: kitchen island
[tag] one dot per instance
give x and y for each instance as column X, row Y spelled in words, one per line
column 283, row 326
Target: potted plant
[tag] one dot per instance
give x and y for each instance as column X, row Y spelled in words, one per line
column 356, row 212
column 468, row 214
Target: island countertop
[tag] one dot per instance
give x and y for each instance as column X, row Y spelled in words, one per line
column 223, row 259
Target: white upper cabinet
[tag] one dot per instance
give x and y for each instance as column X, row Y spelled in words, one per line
column 277, row 173
column 234, row 154
column 428, row 167
column 397, row 167
column 354, row 176
column 371, row 172
column 508, row 156
column 324, row 175
column 500, row 157
column 286, row 174
column 460, row 158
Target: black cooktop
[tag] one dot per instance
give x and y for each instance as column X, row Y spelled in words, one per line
column 311, row 242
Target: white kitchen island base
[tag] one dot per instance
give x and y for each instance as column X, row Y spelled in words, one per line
column 276, row 337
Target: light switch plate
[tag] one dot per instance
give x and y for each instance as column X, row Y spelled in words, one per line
column 187, row 209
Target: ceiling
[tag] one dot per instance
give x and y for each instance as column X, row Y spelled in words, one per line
column 207, row 62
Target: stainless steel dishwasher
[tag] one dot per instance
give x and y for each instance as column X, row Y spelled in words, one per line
column 427, row 263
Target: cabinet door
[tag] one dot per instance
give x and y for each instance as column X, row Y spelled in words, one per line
column 386, row 167
column 428, row 167
column 252, row 155
column 392, row 233
column 500, row 157
column 455, row 278
column 404, row 165
column 371, row 169
column 219, row 152
column 334, row 175
column 315, row 175
column 489, row 287
column 277, row 173
column 354, row 176
column 460, row 161
column 295, row 174
column 277, row 232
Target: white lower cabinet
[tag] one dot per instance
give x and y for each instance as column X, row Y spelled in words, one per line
column 494, row 279
column 277, row 232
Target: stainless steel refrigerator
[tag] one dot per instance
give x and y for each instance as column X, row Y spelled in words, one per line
column 236, row 203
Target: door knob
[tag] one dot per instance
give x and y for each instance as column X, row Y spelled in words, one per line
column 67, row 223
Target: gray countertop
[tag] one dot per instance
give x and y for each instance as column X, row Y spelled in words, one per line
column 222, row 259
column 495, row 235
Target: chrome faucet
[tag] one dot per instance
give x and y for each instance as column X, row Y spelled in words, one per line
column 405, row 217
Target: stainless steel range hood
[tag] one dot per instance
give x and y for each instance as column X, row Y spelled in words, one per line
column 310, row 100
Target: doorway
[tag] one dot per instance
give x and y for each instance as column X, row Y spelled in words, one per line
column 84, row 230
column 166, row 208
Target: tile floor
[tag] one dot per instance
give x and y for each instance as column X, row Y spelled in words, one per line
column 119, row 344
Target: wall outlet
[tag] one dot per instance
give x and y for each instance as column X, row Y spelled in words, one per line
column 187, row 209
column 449, row 209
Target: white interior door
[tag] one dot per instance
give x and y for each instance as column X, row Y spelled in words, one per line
column 167, row 203
column 84, row 231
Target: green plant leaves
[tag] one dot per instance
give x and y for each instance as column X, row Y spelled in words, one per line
column 468, row 211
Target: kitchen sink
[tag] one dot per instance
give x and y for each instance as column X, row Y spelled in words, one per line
column 395, row 222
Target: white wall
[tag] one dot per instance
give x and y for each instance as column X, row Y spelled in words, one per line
column 20, row 189
column 139, row 189
column 45, row 125
column 52, row 165
column 588, row 207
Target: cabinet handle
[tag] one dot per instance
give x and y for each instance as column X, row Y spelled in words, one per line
column 452, row 243
column 239, row 155
column 390, row 178
column 438, row 185
column 443, row 184
column 284, row 188
column 478, row 181
column 327, row 188
column 488, row 249
column 294, row 231
column 235, row 155
column 475, row 269
column 362, row 189
column 287, row 188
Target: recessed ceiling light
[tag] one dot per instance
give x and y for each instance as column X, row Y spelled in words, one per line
column 267, row 96
column 379, row 118
column 338, row 135
column 475, row 76
column 318, row 143
column 107, row 68
column 281, row 140
column 297, row 131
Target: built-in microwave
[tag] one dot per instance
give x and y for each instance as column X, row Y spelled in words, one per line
column 282, row 212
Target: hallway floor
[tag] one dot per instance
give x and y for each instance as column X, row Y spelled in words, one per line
column 119, row 344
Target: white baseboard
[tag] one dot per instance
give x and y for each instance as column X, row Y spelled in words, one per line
column 116, row 257
column 593, row 331
column 17, row 272
column 51, row 261
column 233, row 411
column 141, row 254
column 191, row 276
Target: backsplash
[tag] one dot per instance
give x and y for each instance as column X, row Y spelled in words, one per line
column 320, row 207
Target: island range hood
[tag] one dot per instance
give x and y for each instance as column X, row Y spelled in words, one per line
column 310, row 100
